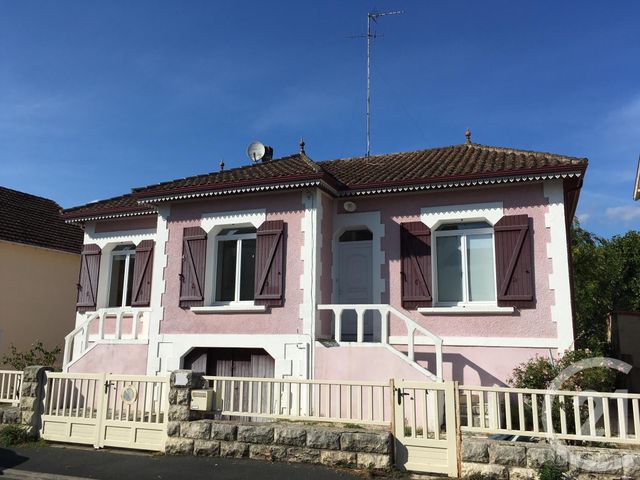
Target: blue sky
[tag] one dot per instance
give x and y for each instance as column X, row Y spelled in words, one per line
column 98, row 97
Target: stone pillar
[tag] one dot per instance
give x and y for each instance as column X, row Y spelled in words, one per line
column 34, row 380
column 181, row 383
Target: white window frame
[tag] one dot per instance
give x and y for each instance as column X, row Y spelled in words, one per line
column 125, row 284
column 225, row 238
column 463, row 234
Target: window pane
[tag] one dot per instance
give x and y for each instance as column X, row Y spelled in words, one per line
column 356, row 236
column 226, row 274
column 449, row 268
column 132, row 262
column 463, row 226
column 247, row 269
column 117, row 281
column 480, row 263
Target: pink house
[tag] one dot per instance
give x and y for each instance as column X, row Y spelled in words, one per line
column 449, row 263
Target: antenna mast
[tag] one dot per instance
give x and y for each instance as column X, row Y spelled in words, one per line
column 372, row 16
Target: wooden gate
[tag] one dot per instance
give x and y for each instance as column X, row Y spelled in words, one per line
column 425, row 427
column 106, row 410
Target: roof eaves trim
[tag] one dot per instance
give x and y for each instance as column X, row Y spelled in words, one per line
column 232, row 191
column 107, row 216
column 460, row 183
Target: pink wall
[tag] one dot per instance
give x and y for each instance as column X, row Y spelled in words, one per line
column 486, row 366
column 123, row 224
column 127, row 359
column 517, row 199
column 279, row 206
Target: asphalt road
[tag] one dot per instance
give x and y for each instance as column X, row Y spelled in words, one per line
column 53, row 462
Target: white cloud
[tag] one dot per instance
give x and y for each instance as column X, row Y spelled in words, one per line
column 583, row 217
column 626, row 213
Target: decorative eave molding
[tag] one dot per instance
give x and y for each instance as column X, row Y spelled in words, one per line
column 232, row 191
column 108, row 216
column 460, row 183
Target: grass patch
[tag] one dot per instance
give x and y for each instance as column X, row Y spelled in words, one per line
column 13, row 435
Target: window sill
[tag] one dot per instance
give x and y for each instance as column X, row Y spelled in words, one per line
column 230, row 309
column 467, row 310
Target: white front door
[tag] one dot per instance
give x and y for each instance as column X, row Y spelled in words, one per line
column 355, row 286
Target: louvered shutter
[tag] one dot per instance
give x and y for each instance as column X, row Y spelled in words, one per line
column 514, row 261
column 415, row 252
column 88, row 278
column 194, row 253
column 143, row 269
column 269, row 275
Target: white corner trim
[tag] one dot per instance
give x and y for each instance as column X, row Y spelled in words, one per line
column 229, row 309
column 432, row 217
column 372, row 221
column 158, row 285
column 506, row 342
column 212, row 223
column 467, row 310
column 559, row 282
column 308, row 251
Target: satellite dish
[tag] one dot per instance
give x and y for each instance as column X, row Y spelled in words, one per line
column 256, row 151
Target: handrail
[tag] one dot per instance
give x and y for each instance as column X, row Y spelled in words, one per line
column 100, row 315
column 385, row 310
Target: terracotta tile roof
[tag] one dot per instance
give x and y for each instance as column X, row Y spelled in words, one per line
column 456, row 162
column 36, row 221
column 291, row 168
column 445, row 163
column 113, row 207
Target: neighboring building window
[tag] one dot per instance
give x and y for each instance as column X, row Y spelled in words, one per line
column 464, row 263
column 236, row 264
column 121, row 281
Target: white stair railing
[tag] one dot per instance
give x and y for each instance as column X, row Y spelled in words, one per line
column 385, row 311
column 78, row 341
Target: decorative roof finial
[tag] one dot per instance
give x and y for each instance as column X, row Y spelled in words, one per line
column 222, row 165
column 467, row 134
column 302, row 145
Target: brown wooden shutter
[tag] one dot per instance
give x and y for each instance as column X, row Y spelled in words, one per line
column 269, row 277
column 88, row 278
column 194, row 253
column 141, row 296
column 514, row 261
column 415, row 250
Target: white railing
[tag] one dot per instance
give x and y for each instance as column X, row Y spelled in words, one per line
column 312, row 400
column 10, row 381
column 385, row 311
column 94, row 329
column 567, row 415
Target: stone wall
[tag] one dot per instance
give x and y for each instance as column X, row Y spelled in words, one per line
column 284, row 442
column 522, row 461
column 190, row 434
column 9, row 415
column 31, row 397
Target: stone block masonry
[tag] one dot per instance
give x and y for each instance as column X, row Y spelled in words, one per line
column 285, row 442
column 498, row 460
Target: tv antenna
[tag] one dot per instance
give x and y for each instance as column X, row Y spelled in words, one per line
column 372, row 16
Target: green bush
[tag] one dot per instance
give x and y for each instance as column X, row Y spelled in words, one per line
column 539, row 372
column 550, row 472
column 37, row 355
column 13, row 435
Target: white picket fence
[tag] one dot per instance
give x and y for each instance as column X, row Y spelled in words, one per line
column 10, row 381
column 567, row 415
column 314, row 400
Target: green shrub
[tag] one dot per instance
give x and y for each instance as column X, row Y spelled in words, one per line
column 13, row 435
column 550, row 472
column 37, row 355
